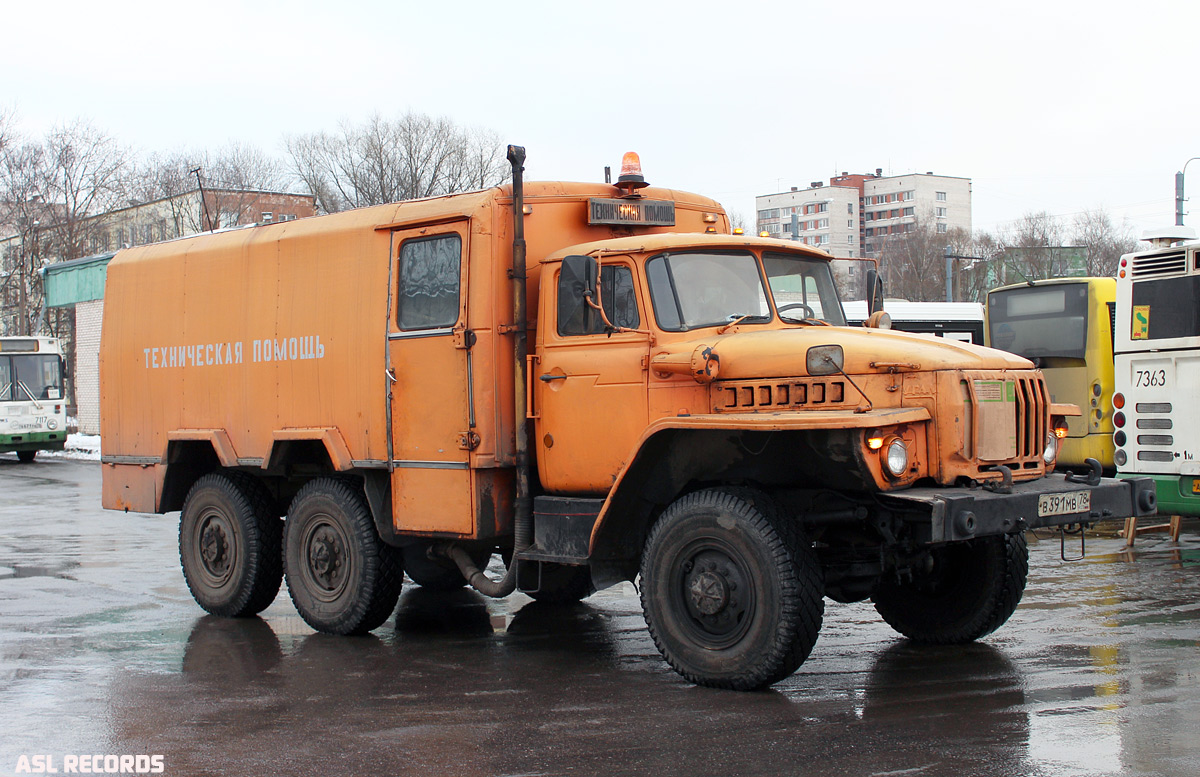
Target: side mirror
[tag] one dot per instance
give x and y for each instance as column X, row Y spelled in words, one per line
column 874, row 291
column 580, row 272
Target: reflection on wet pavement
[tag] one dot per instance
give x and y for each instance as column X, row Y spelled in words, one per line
column 102, row 650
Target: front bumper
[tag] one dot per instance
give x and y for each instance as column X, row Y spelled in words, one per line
column 952, row 514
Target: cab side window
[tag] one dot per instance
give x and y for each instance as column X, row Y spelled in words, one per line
column 619, row 297
column 429, row 272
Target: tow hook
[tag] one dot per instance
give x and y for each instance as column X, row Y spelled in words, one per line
column 1004, row 485
column 1093, row 476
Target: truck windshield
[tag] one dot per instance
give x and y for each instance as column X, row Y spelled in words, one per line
column 40, row 374
column 706, row 288
column 803, row 288
column 1040, row 322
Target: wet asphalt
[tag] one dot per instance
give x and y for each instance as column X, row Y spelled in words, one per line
column 103, row 651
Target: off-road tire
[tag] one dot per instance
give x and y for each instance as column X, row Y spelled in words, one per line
column 342, row 578
column 731, row 589
column 229, row 544
column 563, row 584
column 437, row 574
column 972, row 589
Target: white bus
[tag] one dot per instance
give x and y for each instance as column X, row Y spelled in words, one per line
column 1157, row 369
column 33, row 403
column 962, row 321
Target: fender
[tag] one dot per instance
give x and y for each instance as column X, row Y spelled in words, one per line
column 653, row 476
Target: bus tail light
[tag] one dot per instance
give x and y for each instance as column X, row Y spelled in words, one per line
column 1118, row 400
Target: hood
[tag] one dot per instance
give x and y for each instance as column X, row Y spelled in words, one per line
column 780, row 353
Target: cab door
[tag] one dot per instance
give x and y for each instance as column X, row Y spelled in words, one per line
column 590, row 385
column 430, row 399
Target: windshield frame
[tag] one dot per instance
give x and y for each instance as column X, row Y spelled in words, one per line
column 669, row 310
column 834, row 301
column 659, row 300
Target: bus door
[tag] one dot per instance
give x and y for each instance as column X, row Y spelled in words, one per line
column 430, row 396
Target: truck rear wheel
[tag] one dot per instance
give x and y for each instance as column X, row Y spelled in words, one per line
column 731, row 590
column 341, row 577
column 229, row 545
column 970, row 590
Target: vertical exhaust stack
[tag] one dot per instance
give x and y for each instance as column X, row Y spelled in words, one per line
column 523, row 503
column 523, row 520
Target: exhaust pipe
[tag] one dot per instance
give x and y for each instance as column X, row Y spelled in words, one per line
column 523, row 504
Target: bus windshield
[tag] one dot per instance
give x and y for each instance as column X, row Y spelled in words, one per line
column 1040, row 321
column 35, row 376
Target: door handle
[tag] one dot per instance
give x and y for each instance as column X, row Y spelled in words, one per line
column 548, row 377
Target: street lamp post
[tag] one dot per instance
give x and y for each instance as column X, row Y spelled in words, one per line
column 1179, row 192
column 950, row 271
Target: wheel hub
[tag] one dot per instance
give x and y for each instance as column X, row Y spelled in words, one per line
column 709, row 591
column 214, row 548
column 325, row 558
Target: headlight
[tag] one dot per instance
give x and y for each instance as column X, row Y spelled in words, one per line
column 1051, row 451
column 895, row 457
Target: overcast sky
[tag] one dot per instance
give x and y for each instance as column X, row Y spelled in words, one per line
column 1051, row 105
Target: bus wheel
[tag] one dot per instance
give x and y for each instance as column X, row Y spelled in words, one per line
column 968, row 591
column 26, row 456
column 229, row 545
column 731, row 590
column 563, row 584
column 437, row 574
column 341, row 577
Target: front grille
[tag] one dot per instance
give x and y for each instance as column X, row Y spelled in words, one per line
column 1009, row 423
column 1031, row 419
column 743, row 396
column 1173, row 263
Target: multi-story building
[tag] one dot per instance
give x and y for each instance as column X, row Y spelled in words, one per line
column 852, row 215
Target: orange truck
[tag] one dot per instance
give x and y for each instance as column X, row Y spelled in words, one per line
column 597, row 382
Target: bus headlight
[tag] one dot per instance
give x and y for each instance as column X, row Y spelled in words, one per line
column 895, row 457
column 1051, row 452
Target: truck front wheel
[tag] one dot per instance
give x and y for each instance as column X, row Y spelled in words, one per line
column 341, row 577
column 229, row 540
column 731, row 590
column 969, row 590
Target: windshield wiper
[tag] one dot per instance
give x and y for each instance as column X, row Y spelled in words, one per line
column 29, row 393
column 737, row 318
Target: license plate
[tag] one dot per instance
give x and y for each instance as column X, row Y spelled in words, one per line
column 1064, row 504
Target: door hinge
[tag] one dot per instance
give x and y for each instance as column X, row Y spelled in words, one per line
column 468, row 441
column 464, row 339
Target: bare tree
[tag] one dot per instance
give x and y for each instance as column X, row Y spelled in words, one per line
column 1104, row 239
column 1033, row 248
column 913, row 262
column 388, row 160
column 230, row 176
column 87, row 172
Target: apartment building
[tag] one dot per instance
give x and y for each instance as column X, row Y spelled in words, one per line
column 852, row 215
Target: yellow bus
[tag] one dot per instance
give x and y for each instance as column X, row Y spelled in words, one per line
column 1065, row 326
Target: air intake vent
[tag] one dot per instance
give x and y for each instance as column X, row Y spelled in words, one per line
column 1174, row 263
